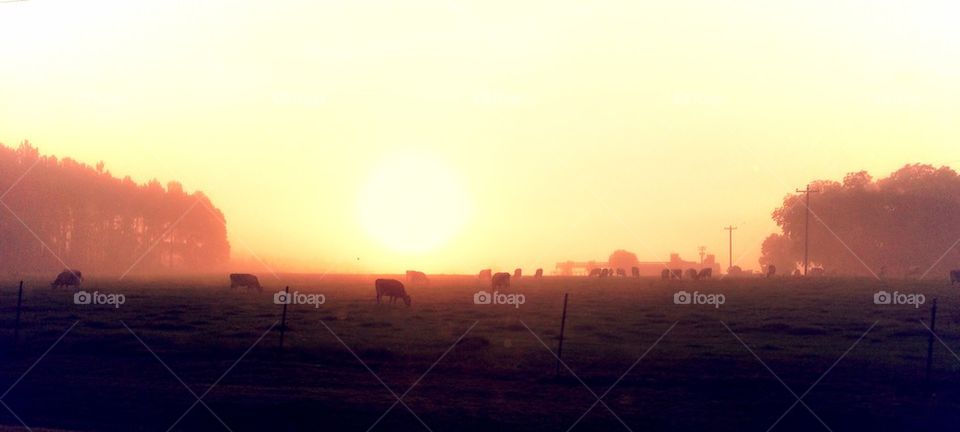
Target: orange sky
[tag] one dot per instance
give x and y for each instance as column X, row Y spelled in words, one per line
column 532, row 132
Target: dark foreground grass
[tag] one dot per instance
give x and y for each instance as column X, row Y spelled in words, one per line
column 700, row 376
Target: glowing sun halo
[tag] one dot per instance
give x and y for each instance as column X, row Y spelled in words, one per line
column 413, row 203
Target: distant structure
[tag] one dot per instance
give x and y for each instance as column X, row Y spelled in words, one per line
column 653, row 268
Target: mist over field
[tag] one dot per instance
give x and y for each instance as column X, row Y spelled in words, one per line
column 473, row 216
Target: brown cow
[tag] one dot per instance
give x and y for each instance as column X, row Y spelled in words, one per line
column 604, row 273
column 248, row 281
column 500, row 280
column 676, row 274
column 706, row 273
column 692, row 274
column 595, row 272
column 416, row 277
column 621, row 272
column 391, row 288
column 665, row 274
column 68, row 278
column 485, row 274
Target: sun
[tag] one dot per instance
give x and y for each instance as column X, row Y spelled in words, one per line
column 413, row 203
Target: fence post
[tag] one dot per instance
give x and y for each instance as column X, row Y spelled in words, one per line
column 16, row 323
column 933, row 327
column 283, row 320
column 563, row 325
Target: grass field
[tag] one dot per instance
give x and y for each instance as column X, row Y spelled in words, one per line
column 499, row 376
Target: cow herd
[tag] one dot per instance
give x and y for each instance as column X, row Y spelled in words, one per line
column 690, row 274
column 394, row 289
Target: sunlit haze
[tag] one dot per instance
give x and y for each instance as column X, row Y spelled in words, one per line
column 451, row 136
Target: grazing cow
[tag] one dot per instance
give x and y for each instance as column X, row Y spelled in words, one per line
column 676, row 274
column 68, row 278
column 604, row 273
column 706, row 273
column 391, row 288
column 485, row 274
column 635, row 271
column 665, row 274
column 416, row 277
column 538, row 274
column 517, row 273
column 595, row 272
column 692, row 274
column 500, row 280
column 248, row 281
column 954, row 277
column 771, row 271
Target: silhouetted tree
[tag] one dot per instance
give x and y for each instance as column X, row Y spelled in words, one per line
column 65, row 210
column 621, row 259
column 911, row 218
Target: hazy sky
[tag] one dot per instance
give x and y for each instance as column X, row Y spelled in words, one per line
column 533, row 131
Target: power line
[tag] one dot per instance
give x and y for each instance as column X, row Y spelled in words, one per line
column 730, row 228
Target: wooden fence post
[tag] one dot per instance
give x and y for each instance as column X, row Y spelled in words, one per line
column 933, row 327
column 563, row 325
column 16, row 323
column 283, row 320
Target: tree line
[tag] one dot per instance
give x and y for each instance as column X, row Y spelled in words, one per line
column 901, row 225
column 63, row 213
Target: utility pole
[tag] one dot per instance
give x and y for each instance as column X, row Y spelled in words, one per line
column 806, row 228
column 703, row 251
column 730, row 228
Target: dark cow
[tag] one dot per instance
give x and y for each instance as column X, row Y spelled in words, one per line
column 635, row 271
column 500, row 280
column 604, row 273
column 517, row 273
column 954, row 277
column 771, row 271
column 416, row 277
column 706, row 273
column 68, row 278
column 595, row 272
column 621, row 272
column 391, row 288
column 676, row 274
column 665, row 274
column 692, row 274
column 245, row 280
column 485, row 274
column 538, row 274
